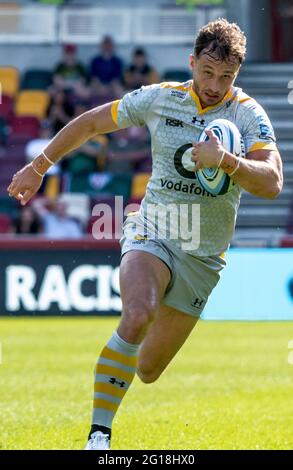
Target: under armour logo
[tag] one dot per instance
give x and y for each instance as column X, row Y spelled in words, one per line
column 113, row 381
column 199, row 121
column 197, row 303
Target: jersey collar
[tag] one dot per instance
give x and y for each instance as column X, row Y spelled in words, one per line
column 202, row 110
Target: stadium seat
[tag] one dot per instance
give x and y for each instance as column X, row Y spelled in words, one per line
column 14, row 156
column 52, row 186
column 109, row 184
column 32, row 103
column 16, row 140
column 103, row 199
column 177, row 75
column 9, row 169
column 139, row 184
column 99, row 100
column 5, row 223
column 78, row 183
column 9, row 79
column 6, row 107
column 8, row 205
column 3, row 130
column 36, row 79
column 25, row 126
column 144, row 166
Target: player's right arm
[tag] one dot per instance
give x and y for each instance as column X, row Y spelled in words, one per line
column 26, row 182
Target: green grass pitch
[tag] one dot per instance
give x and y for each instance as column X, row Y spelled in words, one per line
column 230, row 387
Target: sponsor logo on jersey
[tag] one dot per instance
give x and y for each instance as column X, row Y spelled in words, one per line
column 191, row 188
column 178, row 94
column 265, row 132
column 196, row 120
column 174, row 122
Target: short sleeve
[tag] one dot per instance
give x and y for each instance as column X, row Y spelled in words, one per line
column 255, row 127
column 133, row 108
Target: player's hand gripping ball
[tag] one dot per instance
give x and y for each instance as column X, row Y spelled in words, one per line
column 215, row 180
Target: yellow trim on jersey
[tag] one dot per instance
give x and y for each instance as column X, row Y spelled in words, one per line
column 202, row 110
column 223, row 255
column 177, row 87
column 130, row 361
column 244, row 99
column 262, row 146
column 114, row 110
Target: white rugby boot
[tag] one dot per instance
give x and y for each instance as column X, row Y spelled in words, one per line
column 98, row 441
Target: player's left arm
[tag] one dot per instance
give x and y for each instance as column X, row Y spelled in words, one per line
column 260, row 173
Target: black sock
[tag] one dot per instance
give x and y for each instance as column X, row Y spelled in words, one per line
column 103, row 429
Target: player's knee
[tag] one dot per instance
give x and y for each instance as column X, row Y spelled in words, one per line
column 147, row 372
column 148, row 376
column 139, row 315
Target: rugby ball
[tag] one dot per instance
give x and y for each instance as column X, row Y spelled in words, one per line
column 214, row 180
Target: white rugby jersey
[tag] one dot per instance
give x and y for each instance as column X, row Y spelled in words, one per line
column 175, row 118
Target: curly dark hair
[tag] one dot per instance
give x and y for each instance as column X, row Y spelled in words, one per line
column 223, row 39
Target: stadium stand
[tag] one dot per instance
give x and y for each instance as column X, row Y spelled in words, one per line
column 36, row 80
column 5, row 224
column 176, row 75
column 9, row 79
column 127, row 165
column 32, row 103
column 24, row 127
column 258, row 218
column 3, row 130
column 78, row 206
column 139, row 185
column 6, row 108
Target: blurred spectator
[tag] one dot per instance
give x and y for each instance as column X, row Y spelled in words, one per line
column 60, row 111
column 36, row 146
column 89, row 157
column 70, row 75
column 139, row 72
column 27, row 222
column 106, row 70
column 80, row 107
column 56, row 222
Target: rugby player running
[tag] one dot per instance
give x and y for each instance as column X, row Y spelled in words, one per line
column 164, row 287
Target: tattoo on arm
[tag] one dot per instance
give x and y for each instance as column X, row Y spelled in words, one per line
column 40, row 162
column 226, row 166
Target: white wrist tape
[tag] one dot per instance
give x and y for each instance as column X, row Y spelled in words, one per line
column 221, row 159
column 236, row 168
column 36, row 171
column 48, row 159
